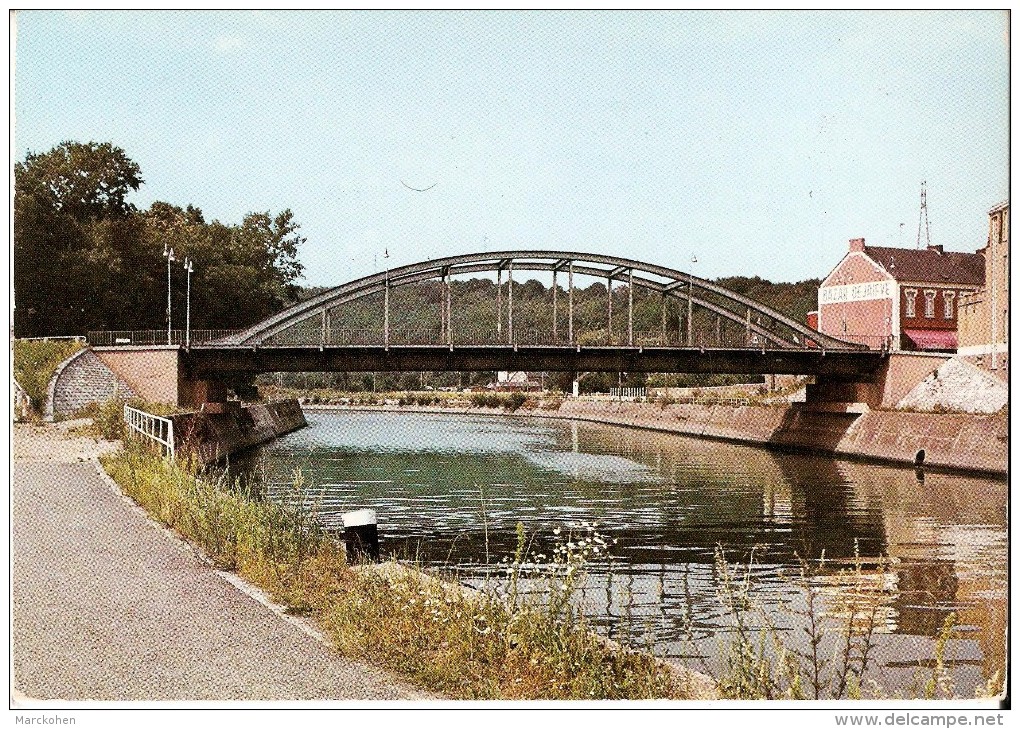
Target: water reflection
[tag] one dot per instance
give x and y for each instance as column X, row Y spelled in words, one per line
column 451, row 489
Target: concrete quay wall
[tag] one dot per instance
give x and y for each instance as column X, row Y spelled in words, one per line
column 958, row 442
column 211, row 436
column 953, row 441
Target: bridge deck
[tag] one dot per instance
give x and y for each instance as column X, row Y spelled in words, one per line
column 209, row 360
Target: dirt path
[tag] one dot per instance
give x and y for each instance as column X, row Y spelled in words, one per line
column 108, row 605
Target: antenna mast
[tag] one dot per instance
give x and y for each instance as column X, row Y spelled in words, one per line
column 923, row 217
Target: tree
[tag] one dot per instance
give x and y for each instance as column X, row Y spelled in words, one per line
column 243, row 273
column 61, row 261
column 85, row 258
column 87, row 181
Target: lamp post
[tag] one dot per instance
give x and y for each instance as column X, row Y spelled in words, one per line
column 690, row 305
column 189, row 267
column 168, row 253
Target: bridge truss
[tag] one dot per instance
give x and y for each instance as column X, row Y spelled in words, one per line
column 700, row 311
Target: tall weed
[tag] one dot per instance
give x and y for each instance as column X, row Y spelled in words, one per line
column 463, row 643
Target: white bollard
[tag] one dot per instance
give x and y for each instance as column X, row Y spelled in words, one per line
column 361, row 535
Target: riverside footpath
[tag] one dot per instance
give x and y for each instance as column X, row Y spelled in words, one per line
column 108, row 605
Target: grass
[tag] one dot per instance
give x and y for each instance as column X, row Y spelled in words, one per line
column 35, row 361
column 108, row 417
column 828, row 655
column 466, row 644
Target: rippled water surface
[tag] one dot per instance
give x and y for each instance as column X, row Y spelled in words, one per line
column 450, row 489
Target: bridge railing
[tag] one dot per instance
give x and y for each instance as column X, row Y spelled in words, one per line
column 153, row 428
column 729, row 336
column 153, row 337
column 872, row 341
column 706, row 337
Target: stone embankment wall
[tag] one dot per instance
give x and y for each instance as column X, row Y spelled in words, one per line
column 956, row 441
column 977, row 443
column 208, row 437
column 82, row 379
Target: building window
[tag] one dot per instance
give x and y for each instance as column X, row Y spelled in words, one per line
column 929, row 304
column 911, row 296
column 947, row 301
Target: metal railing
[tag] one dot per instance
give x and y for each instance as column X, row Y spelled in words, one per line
column 154, row 337
column 710, row 400
column 63, row 338
column 152, row 427
column 701, row 337
column 337, row 336
column 630, row 392
column 872, row 341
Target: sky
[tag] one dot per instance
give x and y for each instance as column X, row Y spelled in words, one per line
column 756, row 142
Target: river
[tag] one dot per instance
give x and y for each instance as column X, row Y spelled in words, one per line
column 906, row 548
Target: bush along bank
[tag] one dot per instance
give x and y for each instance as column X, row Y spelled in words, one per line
column 489, row 644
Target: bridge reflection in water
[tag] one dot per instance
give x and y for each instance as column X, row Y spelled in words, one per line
column 925, row 550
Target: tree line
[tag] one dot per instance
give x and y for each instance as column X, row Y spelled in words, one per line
column 85, row 258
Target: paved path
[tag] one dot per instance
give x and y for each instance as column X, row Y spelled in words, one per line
column 107, row 605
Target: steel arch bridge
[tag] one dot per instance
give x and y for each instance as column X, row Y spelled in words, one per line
column 748, row 323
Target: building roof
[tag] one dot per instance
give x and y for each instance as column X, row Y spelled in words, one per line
column 930, row 265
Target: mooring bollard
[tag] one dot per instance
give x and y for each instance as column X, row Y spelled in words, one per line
column 361, row 535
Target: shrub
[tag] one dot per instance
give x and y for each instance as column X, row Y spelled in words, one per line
column 34, row 365
column 109, row 419
column 486, row 400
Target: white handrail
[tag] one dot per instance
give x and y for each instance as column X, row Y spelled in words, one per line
column 157, row 429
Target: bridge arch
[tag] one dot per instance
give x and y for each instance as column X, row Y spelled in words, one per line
column 760, row 322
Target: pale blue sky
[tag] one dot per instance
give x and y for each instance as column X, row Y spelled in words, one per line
column 760, row 142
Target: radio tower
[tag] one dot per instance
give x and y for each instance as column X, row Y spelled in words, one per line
column 923, row 217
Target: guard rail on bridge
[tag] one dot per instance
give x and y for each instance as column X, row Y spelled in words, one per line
column 153, row 428
column 524, row 337
column 425, row 336
column 156, row 337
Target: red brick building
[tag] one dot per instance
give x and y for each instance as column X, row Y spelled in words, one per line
column 897, row 298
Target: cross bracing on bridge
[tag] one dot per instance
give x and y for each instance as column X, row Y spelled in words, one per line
column 693, row 312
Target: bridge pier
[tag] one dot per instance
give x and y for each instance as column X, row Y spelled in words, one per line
column 196, row 393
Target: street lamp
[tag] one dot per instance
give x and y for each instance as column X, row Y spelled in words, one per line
column 168, row 254
column 189, row 266
column 690, row 305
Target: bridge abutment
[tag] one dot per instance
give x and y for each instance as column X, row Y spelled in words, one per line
column 157, row 374
column 898, row 374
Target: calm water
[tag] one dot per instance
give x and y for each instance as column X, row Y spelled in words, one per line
column 451, row 489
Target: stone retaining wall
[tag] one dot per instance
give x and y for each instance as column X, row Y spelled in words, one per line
column 82, row 379
column 209, row 437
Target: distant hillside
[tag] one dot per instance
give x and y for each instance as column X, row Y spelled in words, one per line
column 793, row 299
column 417, row 305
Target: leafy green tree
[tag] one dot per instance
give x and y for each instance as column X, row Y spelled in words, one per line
column 85, row 258
column 86, row 181
column 60, row 198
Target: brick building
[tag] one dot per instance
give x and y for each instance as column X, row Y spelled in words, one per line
column 984, row 314
column 897, row 298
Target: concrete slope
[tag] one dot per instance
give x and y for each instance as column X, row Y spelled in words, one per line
column 108, row 605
